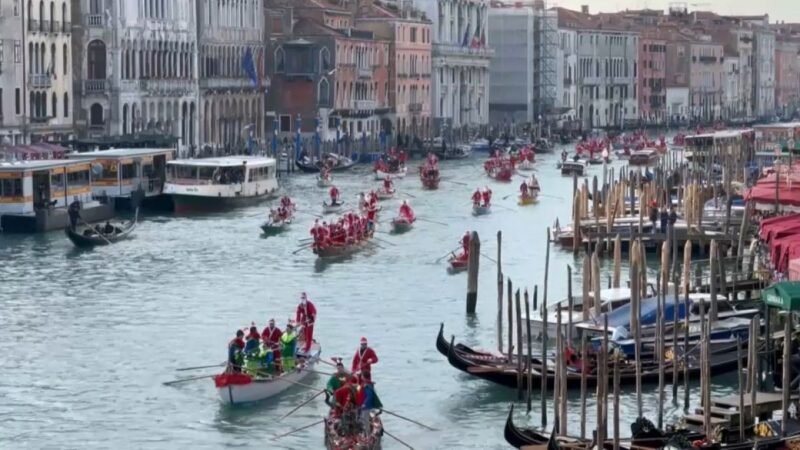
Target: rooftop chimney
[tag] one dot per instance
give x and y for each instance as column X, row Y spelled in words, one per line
column 585, row 9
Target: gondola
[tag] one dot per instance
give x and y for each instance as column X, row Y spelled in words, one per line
column 497, row 369
column 88, row 237
column 341, row 163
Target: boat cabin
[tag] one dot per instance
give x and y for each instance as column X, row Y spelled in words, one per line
column 643, row 157
column 777, row 136
column 122, row 173
column 738, row 143
column 35, row 194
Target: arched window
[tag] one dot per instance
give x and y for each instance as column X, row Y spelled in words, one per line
column 323, row 96
column 65, row 59
column 279, row 64
column 64, row 17
column 51, row 69
column 41, row 16
column 96, row 114
column 52, row 16
column 55, row 105
column 32, row 105
column 97, row 60
column 324, row 60
column 125, row 118
column 66, row 105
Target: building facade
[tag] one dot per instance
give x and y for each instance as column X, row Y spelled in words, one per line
column 47, row 58
column 731, row 102
column 764, row 70
column 511, row 89
column 13, row 107
column 461, row 57
column 705, row 80
column 230, row 66
column 567, row 63
column 652, row 80
column 135, row 69
column 787, row 75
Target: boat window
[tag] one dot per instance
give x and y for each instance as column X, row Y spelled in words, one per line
column 57, row 182
column 80, row 178
column 148, row 171
column 128, row 171
column 11, row 187
column 184, row 172
column 109, row 171
column 206, row 173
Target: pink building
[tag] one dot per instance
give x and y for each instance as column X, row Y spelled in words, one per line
column 787, row 73
column 652, row 79
column 705, row 80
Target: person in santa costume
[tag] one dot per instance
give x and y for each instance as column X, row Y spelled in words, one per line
column 334, row 193
column 364, row 358
column 306, row 316
column 406, row 212
column 476, row 197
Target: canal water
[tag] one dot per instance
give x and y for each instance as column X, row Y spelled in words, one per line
column 88, row 337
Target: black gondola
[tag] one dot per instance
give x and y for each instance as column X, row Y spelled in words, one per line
column 497, row 369
column 88, row 237
column 340, row 163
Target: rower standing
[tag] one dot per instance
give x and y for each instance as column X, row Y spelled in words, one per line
column 476, row 197
column 406, row 212
column 388, row 186
column 288, row 347
column 364, row 358
column 334, row 193
column 306, row 316
column 487, row 196
column 523, row 189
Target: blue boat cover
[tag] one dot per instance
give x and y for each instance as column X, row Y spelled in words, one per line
column 621, row 317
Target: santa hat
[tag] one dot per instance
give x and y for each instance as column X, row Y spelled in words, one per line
column 363, row 340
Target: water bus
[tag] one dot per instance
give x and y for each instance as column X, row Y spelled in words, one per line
column 35, row 195
column 125, row 174
column 219, row 183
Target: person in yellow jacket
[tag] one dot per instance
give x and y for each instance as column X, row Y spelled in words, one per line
column 288, row 348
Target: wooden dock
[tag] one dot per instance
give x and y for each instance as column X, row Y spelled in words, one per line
column 725, row 410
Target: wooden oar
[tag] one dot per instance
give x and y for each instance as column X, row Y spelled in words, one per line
column 447, row 254
column 302, row 404
column 397, row 439
column 298, row 429
column 310, row 214
column 406, row 193
column 505, row 207
column 384, row 241
column 455, row 182
column 489, row 258
column 432, row 221
column 303, row 247
column 199, row 367
column 184, row 380
column 409, row 420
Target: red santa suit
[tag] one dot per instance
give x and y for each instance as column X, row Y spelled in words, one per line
column 364, row 358
column 406, row 212
column 334, row 193
column 476, row 197
column 387, row 185
column 487, row 197
column 306, row 316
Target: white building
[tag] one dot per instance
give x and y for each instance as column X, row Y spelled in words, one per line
column 461, row 57
column 511, row 92
column 731, row 102
column 677, row 103
column 764, row 71
column 13, row 106
column 47, row 58
column 607, row 77
column 136, row 68
column 567, row 64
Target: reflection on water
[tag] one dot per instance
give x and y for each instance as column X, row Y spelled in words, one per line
column 88, row 337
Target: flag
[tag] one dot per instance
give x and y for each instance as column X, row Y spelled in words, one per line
column 465, row 41
column 248, row 66
column 476, row 40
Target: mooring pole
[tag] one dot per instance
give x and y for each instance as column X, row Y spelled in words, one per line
column 472, row 275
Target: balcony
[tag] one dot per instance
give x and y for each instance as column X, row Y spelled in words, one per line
column 567, row 81
column 364, row 72
column 94, row 20
column 167, row 87
column 66, row 27
column 451, row 49
column 33, row 25
column 39, row 81
column 55, row 26
column 225, row 83
column 415, row 108
column 364, row 105
column 95, row 87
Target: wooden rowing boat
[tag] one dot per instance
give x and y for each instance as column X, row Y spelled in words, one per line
column 238, row 388
column 383, row 194
column 400, row 173
column 481, row 210
column 328, row 208
column 497, row 369
column 402, row 224
column 324, row 182
column 526, row 165
column 88, row 237
column 336, row 250
column 431, row 183
column 457, row 264
column 528, row 200
column 271, row 228
column 350, row 432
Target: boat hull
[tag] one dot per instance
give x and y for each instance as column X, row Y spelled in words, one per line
column 401, row 225
column 82, row 241
column 324, row 182
column 478, row 210
column 314, row 167
column 529, row 200
column 526, row 166
column 327, row 208
column 385, row 195
column 255, row 391
column 271, row 229
column 457, row 265
column 197, row 203
column 381, row 175
column 431, row 183
column 336, row 251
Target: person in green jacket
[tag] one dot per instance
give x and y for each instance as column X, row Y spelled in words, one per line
column 338, row 379
column 288, row 347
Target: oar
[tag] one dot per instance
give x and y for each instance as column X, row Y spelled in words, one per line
column 302, row 404
column 298, row 429
column 551, row 196
column 490, row 259
column 505, row 207
column 397, row 439
column 432, row 221
column 409, row 420
column 455, row 182
column 447, row 254
column 406, row 193
column 184, row 380
column 310, row 214
column 509, row 195
column 98, row 233
column 199, row 367
column 303, row 247
column 384, row 241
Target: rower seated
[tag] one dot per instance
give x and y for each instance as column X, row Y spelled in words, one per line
column 108, row 228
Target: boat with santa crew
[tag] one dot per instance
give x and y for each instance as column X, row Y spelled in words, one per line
column 430, row 176
column 279, row 219
column 236, row 388
column 349, row 431
column 210, row 184
column 331, row 208
column 481, row 210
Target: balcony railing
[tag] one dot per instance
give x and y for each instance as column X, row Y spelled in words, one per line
column 39, row 80
column 364, row 105
column 33, row 25
column 415, row 108
column 95, row 86
column 55, row 26
column 94, row 20
column 66, row 27
column 451, row 49
column 364, row 72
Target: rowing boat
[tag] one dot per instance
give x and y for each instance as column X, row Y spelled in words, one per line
column 458, row 263
column 503, row 174
column 271, row 228
column 88, row 237
column 524, row 200
column 431, row 183
column 526, row 165
column 328, row 208
column 350, row 432
column 383, row 194
column 481, row 210
column 400, row 173
column 402, row 224
column 339, row 250
column 238, row 388
column 324, row 182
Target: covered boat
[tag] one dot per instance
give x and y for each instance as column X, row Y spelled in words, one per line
column 238, row 388
column 497, row 368
column 88, row 237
